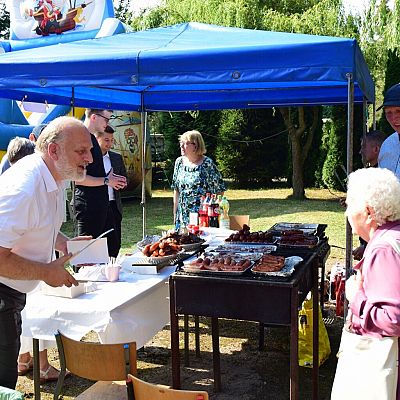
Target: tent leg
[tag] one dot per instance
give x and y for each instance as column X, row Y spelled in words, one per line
column 350, row 126
column 143, row 117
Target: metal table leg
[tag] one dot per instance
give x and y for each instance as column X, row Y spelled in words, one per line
column 176, row 373
column 216, row 355
column 197, row 335
column 186, row 339
column 261, row 336
column 294, row 345
column 36, row 369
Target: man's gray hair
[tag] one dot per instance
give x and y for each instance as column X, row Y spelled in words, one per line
column 56, row 131
column 18, row 148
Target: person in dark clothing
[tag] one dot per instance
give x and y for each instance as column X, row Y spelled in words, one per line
column 370, row 146
column 90, row 202
column 114, row 161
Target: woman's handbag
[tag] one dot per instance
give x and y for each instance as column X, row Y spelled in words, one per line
column 367, row 368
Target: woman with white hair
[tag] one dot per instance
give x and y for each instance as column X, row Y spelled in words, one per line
column 373, row 211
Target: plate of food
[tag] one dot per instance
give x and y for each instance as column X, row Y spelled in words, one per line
column 271, row 265
column 187, row 241
column 245, row 235
column 214, row 265
column 310, row 229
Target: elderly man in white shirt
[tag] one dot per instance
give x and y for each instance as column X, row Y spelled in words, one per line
column 389, row 154
column 31, row 213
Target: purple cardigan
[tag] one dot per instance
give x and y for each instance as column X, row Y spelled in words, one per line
column 376, row 307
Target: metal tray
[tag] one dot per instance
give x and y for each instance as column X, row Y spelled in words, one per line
column 253, row 243
column 286, row 271
column 310, row 229
column 299, row 246
column 157, row 260
column 196, row 271
column 241, row 255
column 246, row 247
column 150, row 239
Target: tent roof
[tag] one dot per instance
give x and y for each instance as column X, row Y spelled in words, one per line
column 189, row 66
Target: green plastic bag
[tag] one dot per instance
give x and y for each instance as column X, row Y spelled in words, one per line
column 10, row 394
column 306, row 335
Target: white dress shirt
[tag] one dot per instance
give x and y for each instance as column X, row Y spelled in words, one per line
column 107, row 168
column 31, row 214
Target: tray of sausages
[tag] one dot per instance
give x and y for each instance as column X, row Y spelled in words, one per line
column 219, row 265
column 162, row 250
column 271, row 265
column 298, row 240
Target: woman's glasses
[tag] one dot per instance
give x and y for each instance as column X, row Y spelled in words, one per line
column 186, row 143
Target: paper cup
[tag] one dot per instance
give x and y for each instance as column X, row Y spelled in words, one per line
column 112, row 272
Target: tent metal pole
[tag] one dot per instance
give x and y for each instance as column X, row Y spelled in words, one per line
column 374, row 115
column 143, row 118
column 350, row 126
column 365, row 116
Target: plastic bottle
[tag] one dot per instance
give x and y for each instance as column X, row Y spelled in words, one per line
column 212, row 216
column 224, row 213
column 203, row 217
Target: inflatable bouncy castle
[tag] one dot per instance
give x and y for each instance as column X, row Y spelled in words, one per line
column 39, row 23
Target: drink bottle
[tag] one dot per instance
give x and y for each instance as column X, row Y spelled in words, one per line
column 212, row 215
column 224, row 213
column 203, row 217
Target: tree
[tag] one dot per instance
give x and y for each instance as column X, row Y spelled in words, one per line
column 252, row 148
column 301, row 135
column 4, row 21
column 324, row 17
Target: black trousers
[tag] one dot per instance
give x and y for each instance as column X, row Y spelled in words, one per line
column 12, row 303
column 94, row 225
column 114, row 219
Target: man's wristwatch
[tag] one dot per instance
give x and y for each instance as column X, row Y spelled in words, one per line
column 106, row 180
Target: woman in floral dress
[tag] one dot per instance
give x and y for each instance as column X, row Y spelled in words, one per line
column 194, row 175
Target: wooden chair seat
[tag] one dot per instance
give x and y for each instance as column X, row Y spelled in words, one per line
column 148, row 391
column 103, row 390
column 97, row 362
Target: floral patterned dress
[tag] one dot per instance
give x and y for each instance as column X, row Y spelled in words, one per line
column 192, row 183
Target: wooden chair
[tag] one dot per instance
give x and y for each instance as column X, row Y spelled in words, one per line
column 98, row 362
column 147, row 391
column 236, row 222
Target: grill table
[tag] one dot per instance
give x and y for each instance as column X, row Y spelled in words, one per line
column 266, row 300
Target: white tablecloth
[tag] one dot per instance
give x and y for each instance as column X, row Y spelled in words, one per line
column 134, row 309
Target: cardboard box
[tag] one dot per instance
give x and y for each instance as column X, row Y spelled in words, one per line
column 64, row 291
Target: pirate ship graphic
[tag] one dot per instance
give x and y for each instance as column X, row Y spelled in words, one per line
column 51, row 20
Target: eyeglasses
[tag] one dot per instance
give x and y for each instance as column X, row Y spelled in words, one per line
column 102, row 116
column 186, row 143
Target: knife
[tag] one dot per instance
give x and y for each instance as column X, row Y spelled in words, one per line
column 89, row 244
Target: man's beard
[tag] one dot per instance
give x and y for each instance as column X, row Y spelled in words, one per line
column 68, row 172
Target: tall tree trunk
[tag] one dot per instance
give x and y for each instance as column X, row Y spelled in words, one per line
column 301, row 138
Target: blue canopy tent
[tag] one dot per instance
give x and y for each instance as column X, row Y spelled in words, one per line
column 190, row 66
column 193, row 66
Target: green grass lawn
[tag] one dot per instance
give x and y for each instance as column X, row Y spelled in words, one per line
column 265, row 207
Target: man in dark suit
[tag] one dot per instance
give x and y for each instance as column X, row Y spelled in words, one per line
column 113, row 164
column 90, row 200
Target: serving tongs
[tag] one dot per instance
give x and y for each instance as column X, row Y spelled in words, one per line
column 197, row 252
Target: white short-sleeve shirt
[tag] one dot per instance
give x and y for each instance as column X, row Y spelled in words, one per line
column 389, row 154
column 31, row 214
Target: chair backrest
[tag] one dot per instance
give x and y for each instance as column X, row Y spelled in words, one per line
column 236, row 222
column 146, row 391
column 96, row 361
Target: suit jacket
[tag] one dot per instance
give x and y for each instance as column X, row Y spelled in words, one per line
column 92, row 201
column 118, row 166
